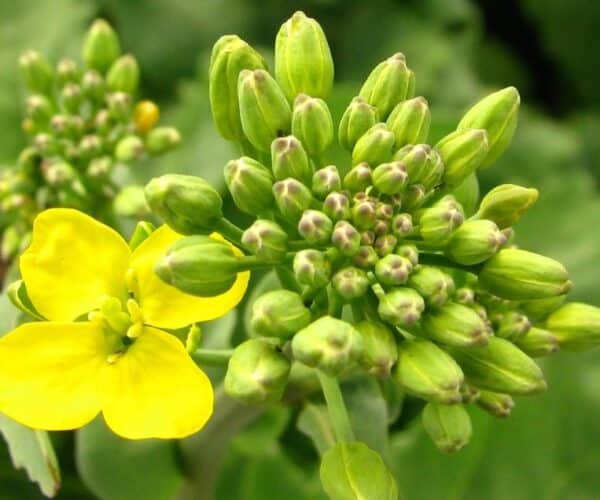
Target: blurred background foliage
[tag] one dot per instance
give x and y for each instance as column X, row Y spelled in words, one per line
column 460, row 50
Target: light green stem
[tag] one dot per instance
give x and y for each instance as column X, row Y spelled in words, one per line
column 212, row 357
column 230, row 231
column 336, row 408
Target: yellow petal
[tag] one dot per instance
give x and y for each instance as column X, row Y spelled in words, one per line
column 154, row 390
column 165, row 306
column 72, row 262
column 50, row 374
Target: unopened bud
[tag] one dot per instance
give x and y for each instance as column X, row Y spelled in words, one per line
column 186, row 203
column 71, row 97
column 448, row 426
column 512, row 325
column 364, row 214
column 359, row 117
column 505, row 204
column 337, row 206
column 315, row 227
column 267, row 240
column 345, row 238
column 409, row 121
column 456, row 325
column 402, row 225
column 393, row 270
column 250, row 184
column 264, row 111
column 93, row 85
column 426, row 371
column 119, row 106
column 462, row 151
column 409, row 252
column 390, row 178
column 495, row 403
column 389, row 83
column 438, row 222
column 124, row 75
column 540, row 309
column 257, row 372
column 433, row 284
column 385, row 243
column 401, row 307
column 199, row 265
column 289, row 159
column 325, row 181
column 312, row 124
column 467, row 194
column 358, row 178
column 366, row 257
column 145, row 116
column 497, row 115
column 380, row 351
column 280, row 313
column 39, row 108
column 576, row 326
column 162, row 139
column 351, row 282
column 312, row 268
column 474, row 242
column 500, row 366
column 37, row 72
column 538, row 342
column 329, row 344
column 101, row 46
column 375, row 146
column 131, row 202
column 520, row 275
column 303, row 62
column 67, row 71
column 292, row 198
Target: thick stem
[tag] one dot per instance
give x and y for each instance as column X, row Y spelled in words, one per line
column 436, row 259
column 212, row 357
column 336, row 408
column 203, row 453
column 230, row 231
column 287, row 279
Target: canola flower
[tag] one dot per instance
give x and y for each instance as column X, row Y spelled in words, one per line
column 103, row 344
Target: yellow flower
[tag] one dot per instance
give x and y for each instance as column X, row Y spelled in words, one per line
column 102, row 348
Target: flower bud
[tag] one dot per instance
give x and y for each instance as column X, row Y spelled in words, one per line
column 289, row 159
column 448, row 426
column 456, row 325
column 161, row 139
column 328, row 344
column 505, row 204
column 385, row 244
column 393, row 270
column 540, row 309
column 257, row 372
column 409, row 252
column 467, row 194
column 230, row 55
column 267, row 240
column 279, row 313
column 469, row 393
column 337, row 206
column 497, row 115
column 389, row 83
column 67, row 71
column 512, row 325
column 131, row 202
column 199, row 265
column 101, row 46
column 37, row 72
column 292, row 198
column 250, row 184
column 145, row 116
column 576, row 326
column 124, row 75
column 366, row 257
column 402, row 225
column 416, row 160
column 380, row 351
column 538, row 342
column 474, row 242
column 312, row 268
column 358, row 117
column 315, row 227
column 93, row 86
column 71, row 97
column 350, row 282
column 39, row 109
column 375, row 146
column 312, row 124
column 401, row 307
column 128, row 149
column 265, row 113
column 364, row 214
column 358, row 178
column 438, row 222
column 434, row 285
column 325, row 181
column 345, row 238
column 186, row 203
column 520, row 275
column 390, row 178
column 500, row 366
column 119, row 106
column 426, row 371
column 495, row 403
column 462, row 152
column 303, row 62
column 409, row 121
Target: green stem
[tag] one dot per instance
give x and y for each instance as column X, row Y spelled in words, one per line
column 212, row 357
column 358, row 312
column 251, row 262
column 230, row 231
column 436, row 259
column 287, row 279
column 336, row 407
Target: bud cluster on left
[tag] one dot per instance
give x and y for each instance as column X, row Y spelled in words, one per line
column 83, row 120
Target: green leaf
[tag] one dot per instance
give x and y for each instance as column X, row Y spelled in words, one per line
column 352, row 471
column 314, row 421
column 32, row 450
column 118, row 469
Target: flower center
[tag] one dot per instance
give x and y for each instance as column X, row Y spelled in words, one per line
column 121, row 327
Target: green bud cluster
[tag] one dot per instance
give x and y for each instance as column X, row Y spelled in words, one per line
column 83, row 119
column 389, row 264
